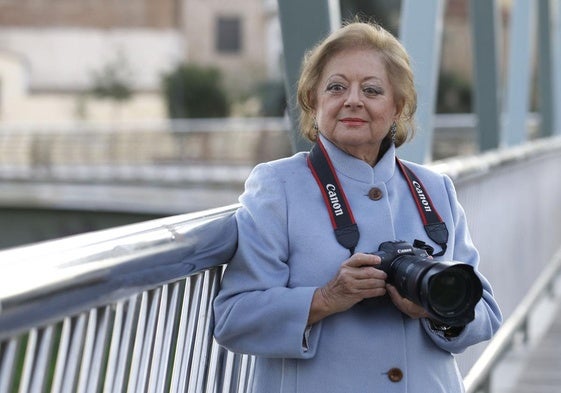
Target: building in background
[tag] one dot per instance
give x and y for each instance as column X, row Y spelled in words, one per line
column 53, row 52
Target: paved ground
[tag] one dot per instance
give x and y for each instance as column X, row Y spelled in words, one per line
column 542, row 373
column 535, row 367
column 542, row 370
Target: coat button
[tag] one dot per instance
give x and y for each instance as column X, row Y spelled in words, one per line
column 375, row 194
column 395, row 374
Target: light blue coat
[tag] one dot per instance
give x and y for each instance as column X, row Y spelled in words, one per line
column 287, row 249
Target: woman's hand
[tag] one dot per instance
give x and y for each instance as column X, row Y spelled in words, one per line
column 404, row 305
column 357, row 279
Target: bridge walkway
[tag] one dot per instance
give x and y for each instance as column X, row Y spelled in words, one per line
column 534, row 364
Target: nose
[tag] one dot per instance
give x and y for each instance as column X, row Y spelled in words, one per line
column 354, row 98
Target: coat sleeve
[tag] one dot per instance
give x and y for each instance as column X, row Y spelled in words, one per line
column 256, row 312
column 488, row 316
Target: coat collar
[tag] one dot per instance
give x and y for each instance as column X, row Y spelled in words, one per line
column 358, row 169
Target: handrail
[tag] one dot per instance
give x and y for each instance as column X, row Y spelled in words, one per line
column 466, row 168
column 115, row 263
column 480, row 373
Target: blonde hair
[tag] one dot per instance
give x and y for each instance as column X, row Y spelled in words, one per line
column 360, row 35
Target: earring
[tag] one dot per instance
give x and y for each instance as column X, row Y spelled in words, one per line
column 393, row 131
column 316, row 127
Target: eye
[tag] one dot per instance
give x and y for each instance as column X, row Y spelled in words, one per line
column 335, row 87
column 372, row 91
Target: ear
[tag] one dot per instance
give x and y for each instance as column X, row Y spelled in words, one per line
column 398, row 109
column 312, row 103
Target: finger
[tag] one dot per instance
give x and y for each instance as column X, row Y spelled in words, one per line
column 373, row 292
column 396, row 297
column 360, row 259
column 371, row 284
column 406, row 306
column 392, row 291
column 370, row 273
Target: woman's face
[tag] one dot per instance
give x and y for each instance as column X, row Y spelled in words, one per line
column 354, row 104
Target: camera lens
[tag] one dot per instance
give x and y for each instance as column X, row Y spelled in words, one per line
column 451, row 291
column 447, row 292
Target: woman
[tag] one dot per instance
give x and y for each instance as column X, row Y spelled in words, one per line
column 318, row 317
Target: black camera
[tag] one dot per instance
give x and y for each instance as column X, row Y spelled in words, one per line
column 448, row 291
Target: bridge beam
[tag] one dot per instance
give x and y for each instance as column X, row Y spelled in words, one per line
column 517, row 99
column 303, row 24
column 486, row 90
column 545, row 73
column 420, row 32
column 556, row 80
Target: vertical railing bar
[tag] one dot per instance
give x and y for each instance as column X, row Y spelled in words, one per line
column 251, row 373
column 207, row 332
column 178, row 366
column 206, row 339
column 188, row 355
column 8, row 366
column 217, row 276
column 149, row 338
column 247, row 363
column 124, row 348
column 112, row 363
column 193, row 312
column 168, row 335
column 158, row 340
column 76, row 344
column 198, row 355
column 212, row 367
column 243, row 374
column 228, row 372
column 29, row 359
column 99, row 350
column 62, row 355
column 85, row 366
column 41, row 363
column 137, row 348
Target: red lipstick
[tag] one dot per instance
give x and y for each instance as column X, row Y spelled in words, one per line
column 353, row 121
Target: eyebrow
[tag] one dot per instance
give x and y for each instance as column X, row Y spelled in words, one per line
column 364, row 79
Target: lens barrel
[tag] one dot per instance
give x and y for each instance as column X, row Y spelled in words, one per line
column 448, row 291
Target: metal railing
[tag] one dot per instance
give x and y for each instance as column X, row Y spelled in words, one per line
column 129, row 309
column 479, row 377
column 126, row 309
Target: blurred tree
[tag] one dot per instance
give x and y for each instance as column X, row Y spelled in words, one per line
column 114, row 80
column 192, row 91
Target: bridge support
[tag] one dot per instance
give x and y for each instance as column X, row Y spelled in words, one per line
column 303, row 24
column 556, row 80
column 517, row 99
column 486, row 89
column 423, row 42
column 545, row 74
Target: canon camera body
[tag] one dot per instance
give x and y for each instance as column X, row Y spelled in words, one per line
column 448, row 291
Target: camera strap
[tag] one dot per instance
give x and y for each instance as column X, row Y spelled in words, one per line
column 341, row 215
column 434, row 226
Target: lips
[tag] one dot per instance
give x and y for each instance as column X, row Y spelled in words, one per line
column 353, row 121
